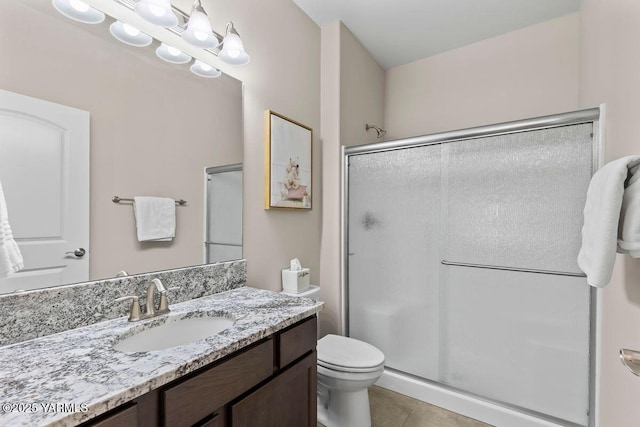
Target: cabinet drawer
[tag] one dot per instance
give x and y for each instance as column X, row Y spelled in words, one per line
column 297, row 341
column 122, row 418
column 194, row 399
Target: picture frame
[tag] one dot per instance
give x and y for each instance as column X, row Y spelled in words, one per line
column 288, row 163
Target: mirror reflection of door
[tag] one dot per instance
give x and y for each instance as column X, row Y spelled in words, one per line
column 223, row 230
column 44, row 170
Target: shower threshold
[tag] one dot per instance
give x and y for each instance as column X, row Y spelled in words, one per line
column 465, row 403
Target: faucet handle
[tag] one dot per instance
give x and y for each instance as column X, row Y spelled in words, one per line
column 163, row 307
column 134, row 315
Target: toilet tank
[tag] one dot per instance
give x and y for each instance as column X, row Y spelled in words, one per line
column 313, row 293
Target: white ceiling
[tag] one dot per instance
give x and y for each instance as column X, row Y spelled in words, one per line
column 397, row 32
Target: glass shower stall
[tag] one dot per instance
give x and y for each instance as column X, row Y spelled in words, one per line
column 460, row 261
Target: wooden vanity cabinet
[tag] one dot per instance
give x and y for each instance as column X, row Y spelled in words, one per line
column 270, row 383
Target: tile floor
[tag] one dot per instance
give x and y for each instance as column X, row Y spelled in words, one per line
column 391, row 409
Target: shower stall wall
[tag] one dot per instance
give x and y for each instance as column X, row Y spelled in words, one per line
column 461, row 262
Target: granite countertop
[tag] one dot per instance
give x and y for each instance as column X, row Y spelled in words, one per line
column 73, row 376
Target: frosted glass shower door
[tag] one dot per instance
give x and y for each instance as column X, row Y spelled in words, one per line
column 223, row 214
column 394, row 253
column 427, row 226
column 516, row 201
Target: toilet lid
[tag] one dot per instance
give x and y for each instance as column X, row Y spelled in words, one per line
column 335, row 351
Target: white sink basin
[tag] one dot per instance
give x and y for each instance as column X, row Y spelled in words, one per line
column 173, row 334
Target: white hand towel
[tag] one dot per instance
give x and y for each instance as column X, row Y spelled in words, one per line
column 10, row 257
column 605, row 216
column 155, row 218
column 629, row 227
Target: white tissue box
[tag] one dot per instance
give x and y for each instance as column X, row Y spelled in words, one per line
column 295, row 281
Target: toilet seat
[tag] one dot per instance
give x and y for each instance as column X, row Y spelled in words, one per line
column 345, row 354
column 350, row 369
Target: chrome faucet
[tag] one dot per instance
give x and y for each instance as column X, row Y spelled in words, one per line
column 151, row 310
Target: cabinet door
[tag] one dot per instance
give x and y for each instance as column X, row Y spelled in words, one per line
column 218, row 419
column 289, row 400
column 119, row 418
column 194, row 399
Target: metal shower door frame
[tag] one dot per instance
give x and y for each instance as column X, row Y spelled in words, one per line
column 591, row 115
column 236, row 167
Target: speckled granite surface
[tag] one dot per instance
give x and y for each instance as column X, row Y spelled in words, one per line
column 48, row 311
column 80, row 369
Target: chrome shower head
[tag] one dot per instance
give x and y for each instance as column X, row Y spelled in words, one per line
column 381, row 132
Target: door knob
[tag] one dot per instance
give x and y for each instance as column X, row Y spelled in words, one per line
column 80, row 252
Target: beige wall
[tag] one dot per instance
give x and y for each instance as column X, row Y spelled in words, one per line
column 362, row 83
column 352, row 95
column 330, row 251
column 283, row 75
column 530, row 72
column 525, row 73
column 610, row 73
column 154, row 128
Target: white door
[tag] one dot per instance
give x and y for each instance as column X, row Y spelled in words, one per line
column 44, row 170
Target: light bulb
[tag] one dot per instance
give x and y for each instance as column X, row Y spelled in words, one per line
column 78, row 5
column 200, row 35
column 130, row 29
column 156, row 10
column 129, row 34
column 78, row 10
column 171, row 54
column 198, row 32
column 233, row 50
column 173, row 51
column 201, row 69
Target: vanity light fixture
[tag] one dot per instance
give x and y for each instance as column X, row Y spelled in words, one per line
column 158, row 12
column 198, row 31
column 172, row 55
column 232, row 48
column 129, row 34
column 78, row 11
column 194, row 29
column 201, row 69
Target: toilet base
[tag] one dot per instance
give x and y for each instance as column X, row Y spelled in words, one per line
column 343, row 408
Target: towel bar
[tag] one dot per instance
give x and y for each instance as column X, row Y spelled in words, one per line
column 117, row 199
column 521, row 270
column 224, row 244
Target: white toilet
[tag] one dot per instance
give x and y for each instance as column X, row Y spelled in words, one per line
column 347, row 367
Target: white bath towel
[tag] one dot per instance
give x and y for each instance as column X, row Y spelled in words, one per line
column 10, row 257
column 611, row 219
column 155, row 218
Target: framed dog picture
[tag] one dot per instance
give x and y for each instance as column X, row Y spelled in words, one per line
column 288, row 163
